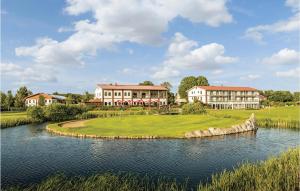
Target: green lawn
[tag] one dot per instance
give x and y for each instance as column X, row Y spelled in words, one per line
column 12, row 115
column 149, row 125
column 274, row 113
column 11, row 119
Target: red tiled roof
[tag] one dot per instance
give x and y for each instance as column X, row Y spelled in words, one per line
column 130, row 87
column 228, row 88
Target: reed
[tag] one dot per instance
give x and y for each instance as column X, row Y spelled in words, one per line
column 5, row 123
column 276, row 174
column 278, row 123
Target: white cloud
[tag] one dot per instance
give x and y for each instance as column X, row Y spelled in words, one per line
column 250, row 77
column 290, row 25
column 27, row 74
column 218, row 71
column 283, row 57
column 293, row 73
column 184, row 54
column 294, row 4
column 117, row 21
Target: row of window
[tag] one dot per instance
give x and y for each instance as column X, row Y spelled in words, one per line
column 134, row 103
column 35, row 101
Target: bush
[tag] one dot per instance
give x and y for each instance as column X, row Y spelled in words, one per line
column 193, row 108
column 61, row 112
column 86, row 115
column 36, row 113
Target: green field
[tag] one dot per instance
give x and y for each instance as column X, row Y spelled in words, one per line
column 274, row 113
column 11, row 119
column 149, row 125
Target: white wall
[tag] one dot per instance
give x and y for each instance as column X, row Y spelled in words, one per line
column 196, row 93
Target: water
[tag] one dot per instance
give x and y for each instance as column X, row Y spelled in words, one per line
column 29, row 154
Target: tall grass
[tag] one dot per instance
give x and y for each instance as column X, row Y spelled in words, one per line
column 278, row 123
column 12, row 122
column 274, row 174
column 105, row 182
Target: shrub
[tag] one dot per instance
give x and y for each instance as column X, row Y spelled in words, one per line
column 86, row 115
column 36, row 113
column 193, row 108
column 61, row 112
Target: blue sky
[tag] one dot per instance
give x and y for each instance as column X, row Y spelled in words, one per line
column 70, row 46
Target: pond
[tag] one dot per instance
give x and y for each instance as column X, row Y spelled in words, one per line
column 29, row 154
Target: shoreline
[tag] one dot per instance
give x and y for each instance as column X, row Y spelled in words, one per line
column 248, row 125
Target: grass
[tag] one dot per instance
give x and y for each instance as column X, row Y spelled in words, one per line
column 11, row 119
column 149, row 125
column 276, row 174
column 282, row 117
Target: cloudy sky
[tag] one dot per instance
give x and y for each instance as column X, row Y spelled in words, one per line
column 70, row 46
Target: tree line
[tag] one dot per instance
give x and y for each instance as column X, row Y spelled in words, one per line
column 11, row 102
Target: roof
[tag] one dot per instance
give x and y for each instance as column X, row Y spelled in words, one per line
column 47, row 96
column 226, row 88
column 130, row 87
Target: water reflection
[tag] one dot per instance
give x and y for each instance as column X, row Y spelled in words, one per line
column 29, row 154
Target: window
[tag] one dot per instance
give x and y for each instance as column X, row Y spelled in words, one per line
column 119, row 94
column 116, row 103
column 105, row 93
column 115, row 93
column 125, row 93
column 109, row 94
column 105, row 103
column 128, row 93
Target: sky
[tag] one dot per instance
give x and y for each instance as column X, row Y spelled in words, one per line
column 71, row 45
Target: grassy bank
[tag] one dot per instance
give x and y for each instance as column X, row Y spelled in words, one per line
column 280, row 117
column 11, row 119
column 276, row 174
column 147, row 125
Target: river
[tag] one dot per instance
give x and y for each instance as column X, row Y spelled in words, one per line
column 29, row 154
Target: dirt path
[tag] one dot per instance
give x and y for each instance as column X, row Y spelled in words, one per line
column 74, row 124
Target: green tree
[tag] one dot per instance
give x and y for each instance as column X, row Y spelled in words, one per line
column 36, row 113
column 3, row 97
column 146, row 83
column 193, row 108
column 189, row 82
column 171, row 96
column 70, row 99
column 41, row 100
column 86, row 97
column 9, row 101
column 20, row 96
column 296, row 96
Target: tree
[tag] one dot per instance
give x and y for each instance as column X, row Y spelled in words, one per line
column 171, row 96
column 146, row 83
column 3, row 97
column 296, row 96
column 9, row 101
column 86, row 97
column 41, row 100
column 70, row 99
column 20, row 96
column 189, row 82
column 36, row 113
column 193, row 108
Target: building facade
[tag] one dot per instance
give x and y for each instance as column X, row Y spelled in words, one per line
column 33, row 100
column 225, row 97
column 118, row 95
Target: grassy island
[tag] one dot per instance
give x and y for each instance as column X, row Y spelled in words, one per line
column 147, row 125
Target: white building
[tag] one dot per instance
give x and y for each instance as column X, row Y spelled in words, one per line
column 225, row 97
column 33, row 100
column 117, row 95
